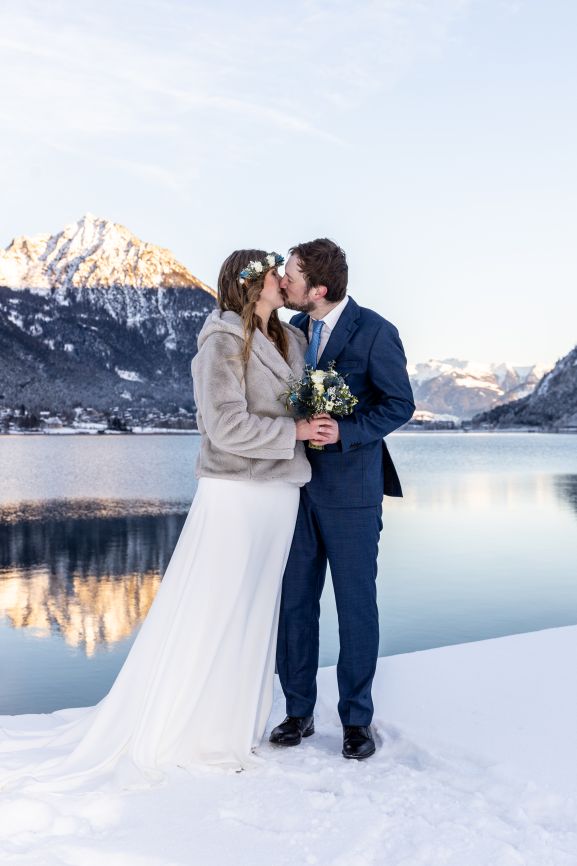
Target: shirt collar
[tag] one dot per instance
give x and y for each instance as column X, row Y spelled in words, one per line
column 332, row 318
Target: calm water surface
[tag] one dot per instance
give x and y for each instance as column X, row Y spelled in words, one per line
column 483, row 544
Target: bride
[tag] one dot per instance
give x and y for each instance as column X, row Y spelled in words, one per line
column 196, row 687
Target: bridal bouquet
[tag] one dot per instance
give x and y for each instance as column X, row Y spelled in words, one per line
column 317, row 392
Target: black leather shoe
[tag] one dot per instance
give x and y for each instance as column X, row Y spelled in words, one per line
column 292, row 730
column 357, row 742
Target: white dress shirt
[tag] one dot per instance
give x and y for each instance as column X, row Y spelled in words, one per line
column 330, row 321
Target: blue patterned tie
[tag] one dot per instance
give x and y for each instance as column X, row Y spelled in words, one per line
column 313, row 347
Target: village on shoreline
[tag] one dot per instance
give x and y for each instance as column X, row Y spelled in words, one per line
column 90, row 422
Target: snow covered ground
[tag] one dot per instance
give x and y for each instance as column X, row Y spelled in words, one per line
column 476, row 766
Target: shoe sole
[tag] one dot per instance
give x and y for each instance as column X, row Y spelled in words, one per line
column 358, row 757
column 307, row 733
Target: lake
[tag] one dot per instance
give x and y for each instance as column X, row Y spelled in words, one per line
column 483, row 544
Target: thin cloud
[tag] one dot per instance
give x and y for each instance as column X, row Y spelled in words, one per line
column 229, row 82
column 77, row 87
column 297, row 69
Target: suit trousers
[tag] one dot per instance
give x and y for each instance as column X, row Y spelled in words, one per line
column 346, row 538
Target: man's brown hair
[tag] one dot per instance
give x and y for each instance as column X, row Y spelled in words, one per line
column 324, row 263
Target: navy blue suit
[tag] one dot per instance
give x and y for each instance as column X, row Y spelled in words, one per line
column 339, row 518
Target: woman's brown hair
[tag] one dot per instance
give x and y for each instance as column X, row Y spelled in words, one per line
column 241, row 298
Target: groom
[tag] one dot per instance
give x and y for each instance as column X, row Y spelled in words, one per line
column 339, row 517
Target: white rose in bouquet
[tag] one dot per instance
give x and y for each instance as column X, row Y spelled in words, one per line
column 317, row 378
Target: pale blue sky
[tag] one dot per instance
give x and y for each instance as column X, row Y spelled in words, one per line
column 434, row 139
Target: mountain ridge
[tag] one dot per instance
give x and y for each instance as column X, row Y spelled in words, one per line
column 92, row 252
column 552, row 405
column 93, row 317
column 461, row 388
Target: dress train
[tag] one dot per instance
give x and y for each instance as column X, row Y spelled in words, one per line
column 196, row 687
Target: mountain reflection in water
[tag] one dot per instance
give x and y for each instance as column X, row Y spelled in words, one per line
column 85, row 570
column 482, row 545
column 566, row 488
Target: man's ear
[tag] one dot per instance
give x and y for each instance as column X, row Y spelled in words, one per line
column 320, row 291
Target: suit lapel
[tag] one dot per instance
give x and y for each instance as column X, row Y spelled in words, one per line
column 301, row 321
column 344, row 329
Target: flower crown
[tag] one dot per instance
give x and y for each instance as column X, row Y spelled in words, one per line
column 256, row 269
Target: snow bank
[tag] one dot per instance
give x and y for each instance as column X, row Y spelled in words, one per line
column 475, row 767
column 510, row 701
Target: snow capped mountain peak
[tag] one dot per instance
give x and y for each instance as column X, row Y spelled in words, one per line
column 425, row 370
column 93, row 316
column 461, row 388
column 91, row 253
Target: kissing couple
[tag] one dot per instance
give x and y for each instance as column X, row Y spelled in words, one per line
column 244, row 583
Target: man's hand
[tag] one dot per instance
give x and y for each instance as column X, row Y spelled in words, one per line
column 329, row 430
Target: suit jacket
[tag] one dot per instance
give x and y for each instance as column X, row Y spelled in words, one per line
column 358, row 470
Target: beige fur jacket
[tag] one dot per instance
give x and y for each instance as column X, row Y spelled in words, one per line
column 246, row 432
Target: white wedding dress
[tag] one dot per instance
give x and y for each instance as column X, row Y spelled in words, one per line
column 196, row 687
